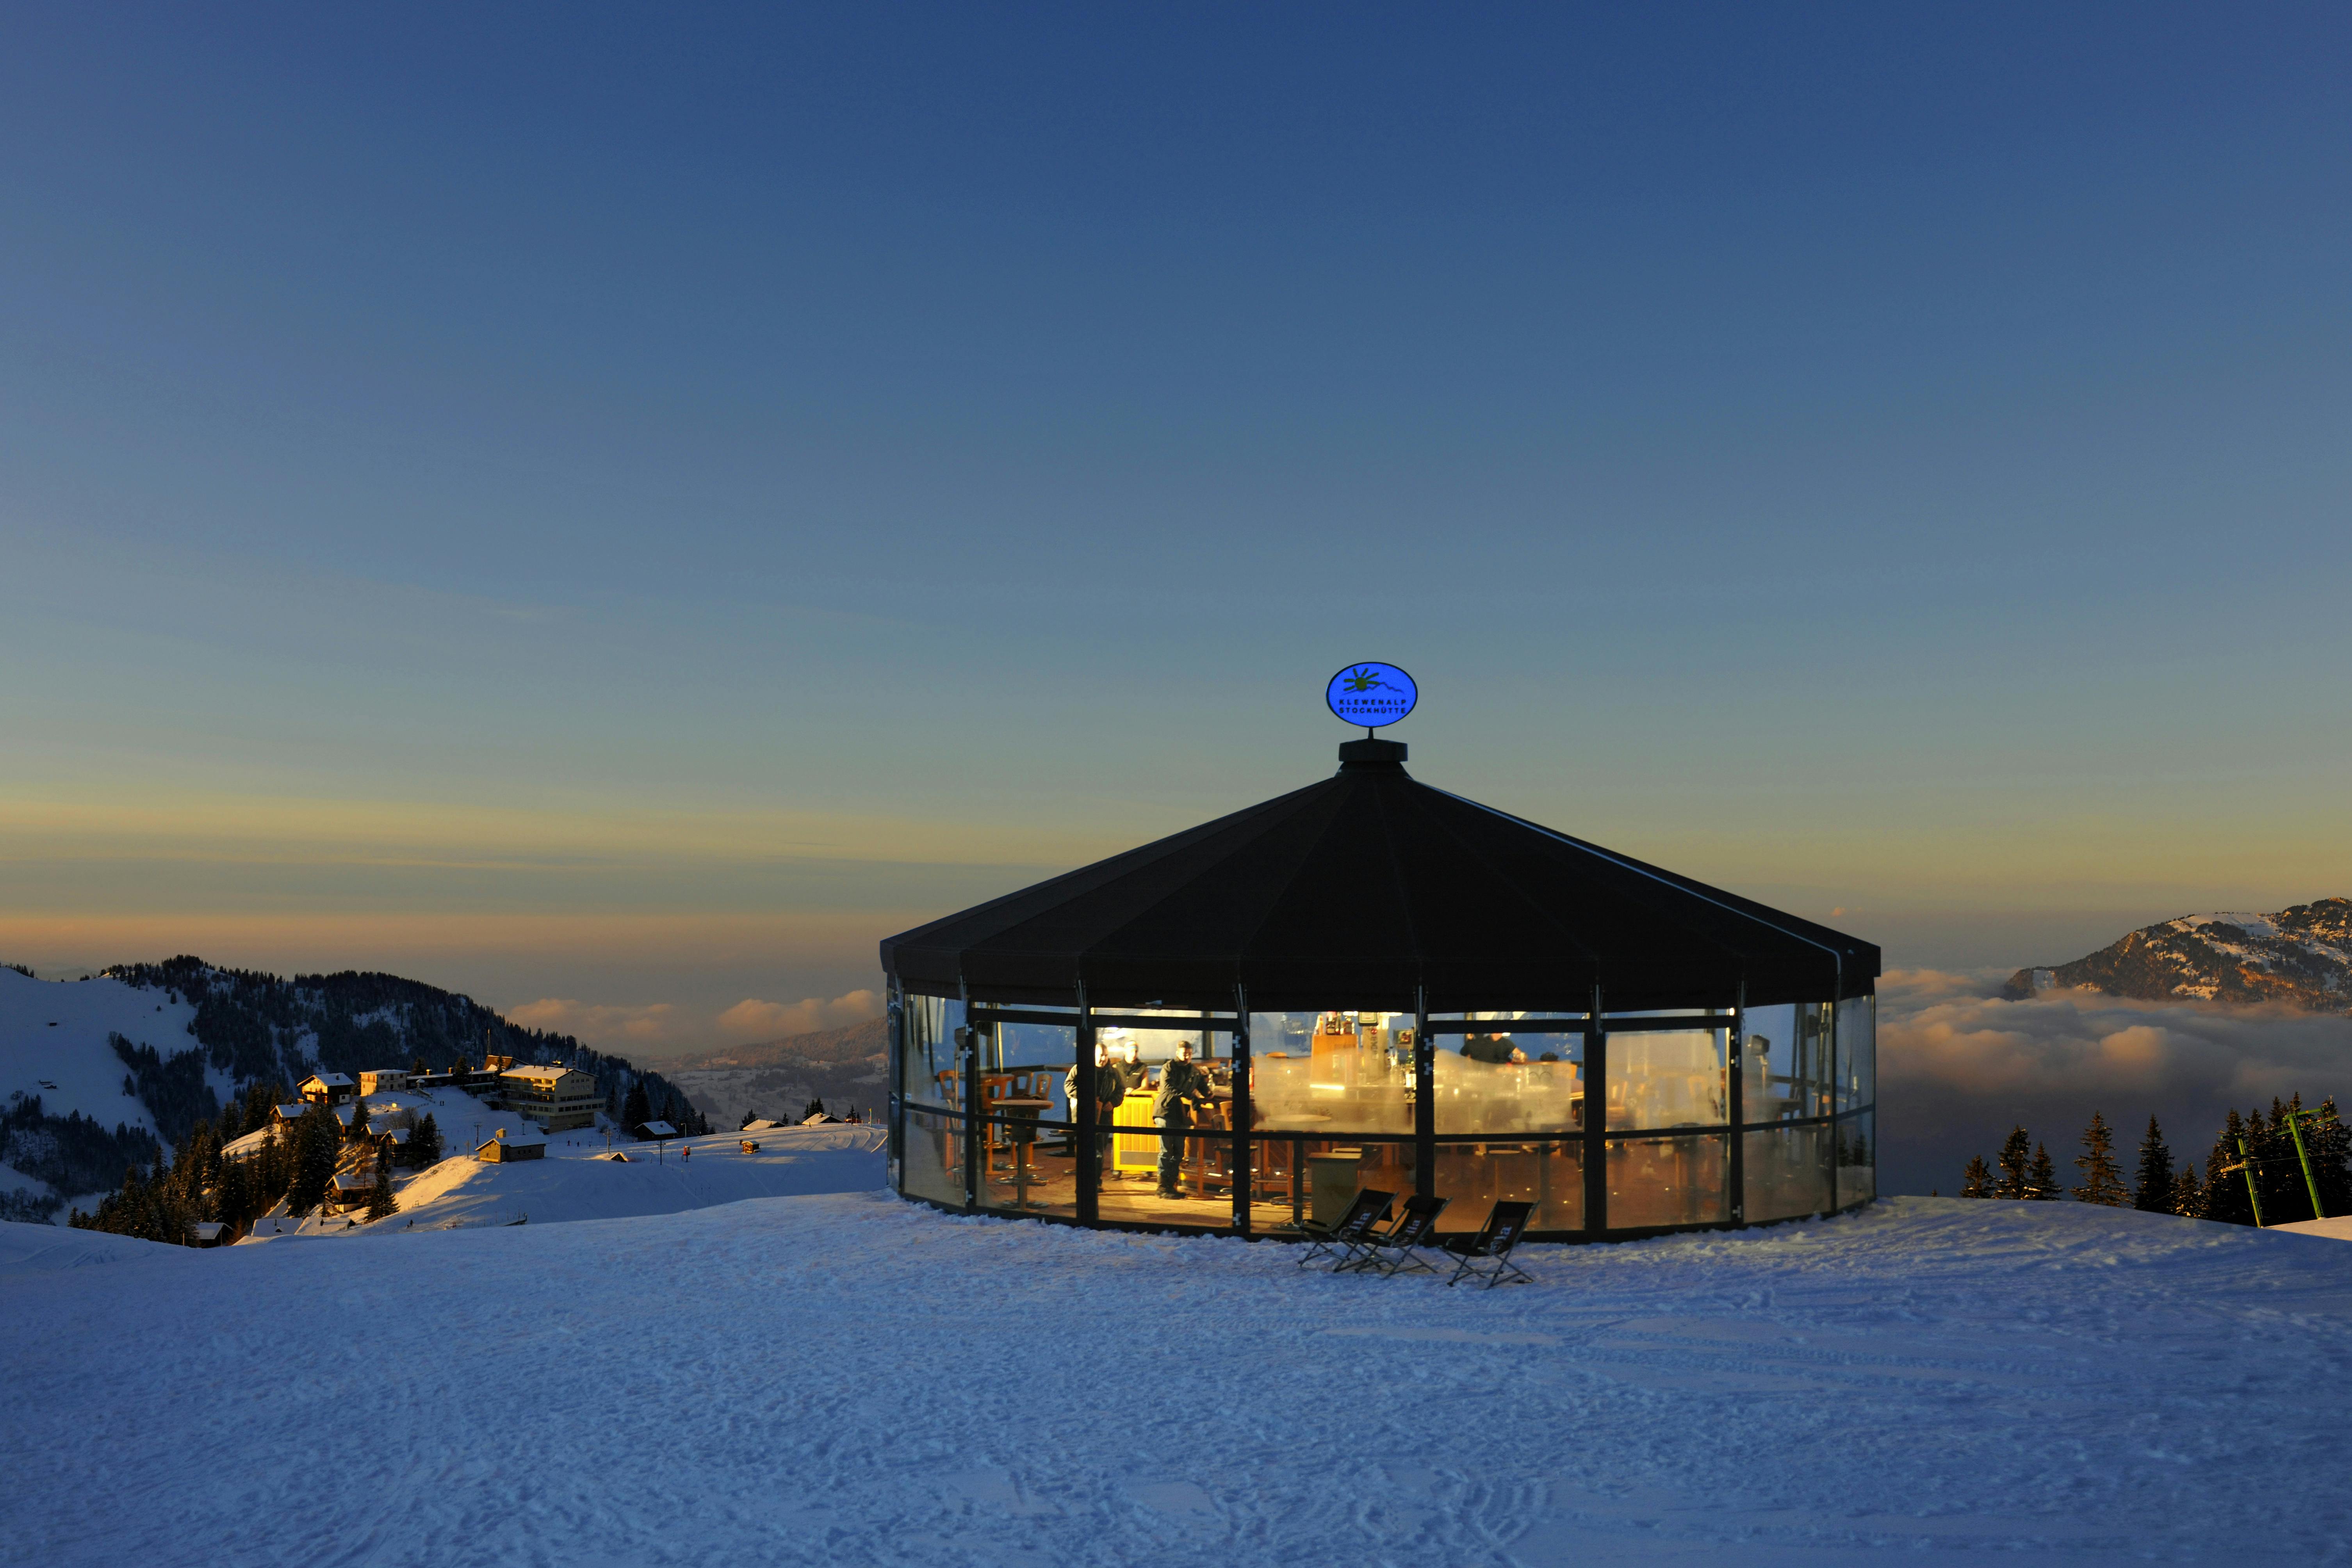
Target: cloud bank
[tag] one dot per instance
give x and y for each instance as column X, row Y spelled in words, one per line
column 752, row 1019
column 1958, row 1066
column 597, row 1022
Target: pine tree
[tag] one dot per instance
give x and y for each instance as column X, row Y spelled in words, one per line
column 2225, row 1190
column 635, row 1111
column 1978, row 1179
column 748, row 1118
column 2103, row 1182
column 814, row 1108
column 425, row 1138
column 2042, row 1179
column 2154, row 1190
column 2016, row 1150
column 2187, row 1192
column 380, row 1205
column 317, row 1148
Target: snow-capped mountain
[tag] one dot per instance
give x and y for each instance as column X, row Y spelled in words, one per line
column 2301, row 956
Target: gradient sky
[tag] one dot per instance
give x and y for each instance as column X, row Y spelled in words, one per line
column 621, row 508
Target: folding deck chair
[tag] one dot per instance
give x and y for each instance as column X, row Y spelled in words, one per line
column 1342, row 1239
column 1414, row 1228
column 1493, row 1244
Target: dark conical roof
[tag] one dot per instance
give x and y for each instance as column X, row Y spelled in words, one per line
column 1352, row 892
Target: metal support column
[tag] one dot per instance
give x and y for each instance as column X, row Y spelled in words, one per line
column 1827, row 1058
column 896, row 1105
column 1424, row 1099
column 1736, row 1099
column 1243, row 1156
column 1596, row 1120
column 975, row 1147
column 1086, row 1114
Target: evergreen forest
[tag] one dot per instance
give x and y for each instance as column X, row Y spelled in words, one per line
column 2260, row 1170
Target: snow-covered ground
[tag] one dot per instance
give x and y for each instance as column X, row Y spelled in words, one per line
column 849, row 1379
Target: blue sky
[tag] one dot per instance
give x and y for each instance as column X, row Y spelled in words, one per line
column 625, row 508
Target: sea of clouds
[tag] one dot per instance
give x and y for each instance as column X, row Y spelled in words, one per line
column 660, row 1026
column 1958, row 1065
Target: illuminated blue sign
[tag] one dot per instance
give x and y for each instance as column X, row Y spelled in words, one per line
column 1371, row 694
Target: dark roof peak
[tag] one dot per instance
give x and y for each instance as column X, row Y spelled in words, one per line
column 1371, row 888
column 1371, row 753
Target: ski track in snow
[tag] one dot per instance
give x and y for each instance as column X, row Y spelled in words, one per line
column 851, row 1379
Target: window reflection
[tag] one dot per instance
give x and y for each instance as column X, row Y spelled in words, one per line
column 1667, row 1078
column 1334, row 1071
column 928, row 1074
column 1857, row 1052
column 933, row 1162
column 1500, row 1079
column 1786, row 1060
column 1857, row 1160
column 1473, row 1177
column 1667, row 1181
column 1787, row 1173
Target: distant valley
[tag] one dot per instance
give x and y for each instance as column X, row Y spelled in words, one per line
column 776, row 1080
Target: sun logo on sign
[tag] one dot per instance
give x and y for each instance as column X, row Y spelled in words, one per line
column 1362, row 678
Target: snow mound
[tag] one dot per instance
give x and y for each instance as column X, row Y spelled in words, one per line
column 574, row 1184
column 39, row 1248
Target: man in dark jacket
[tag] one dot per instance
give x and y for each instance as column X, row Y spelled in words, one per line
column 1110, row 1089
column 1496, row 1048
column 1182, row 1087
column 1132, row 1073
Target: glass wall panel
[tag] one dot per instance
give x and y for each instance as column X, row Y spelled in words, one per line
column 1787, row 1063
column 1295, row 1178
column 1857, row 1159
column 1203, row 1171
column 1668, row 1181
column 1501, row 1079
column 927, row 1073
column 1473, row 1177
column 1332, row 1072
column 1668, row 1078
column 1025, row 1134
column 1163, row 1168
column 1857, row 1052
column 933, row 1166
column 1027, row 1166
column 1787, row 1173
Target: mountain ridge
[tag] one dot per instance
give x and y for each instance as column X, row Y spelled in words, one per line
column 2300, row 956
column 110, row 1070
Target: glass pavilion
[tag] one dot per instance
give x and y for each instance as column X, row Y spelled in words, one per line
column 1386, row 986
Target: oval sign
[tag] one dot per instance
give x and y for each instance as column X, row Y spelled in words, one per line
column 1371, row 694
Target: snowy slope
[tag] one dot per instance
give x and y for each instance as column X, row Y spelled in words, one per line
column 53, row 1032
column 853, row 1380
column 564, row 1187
